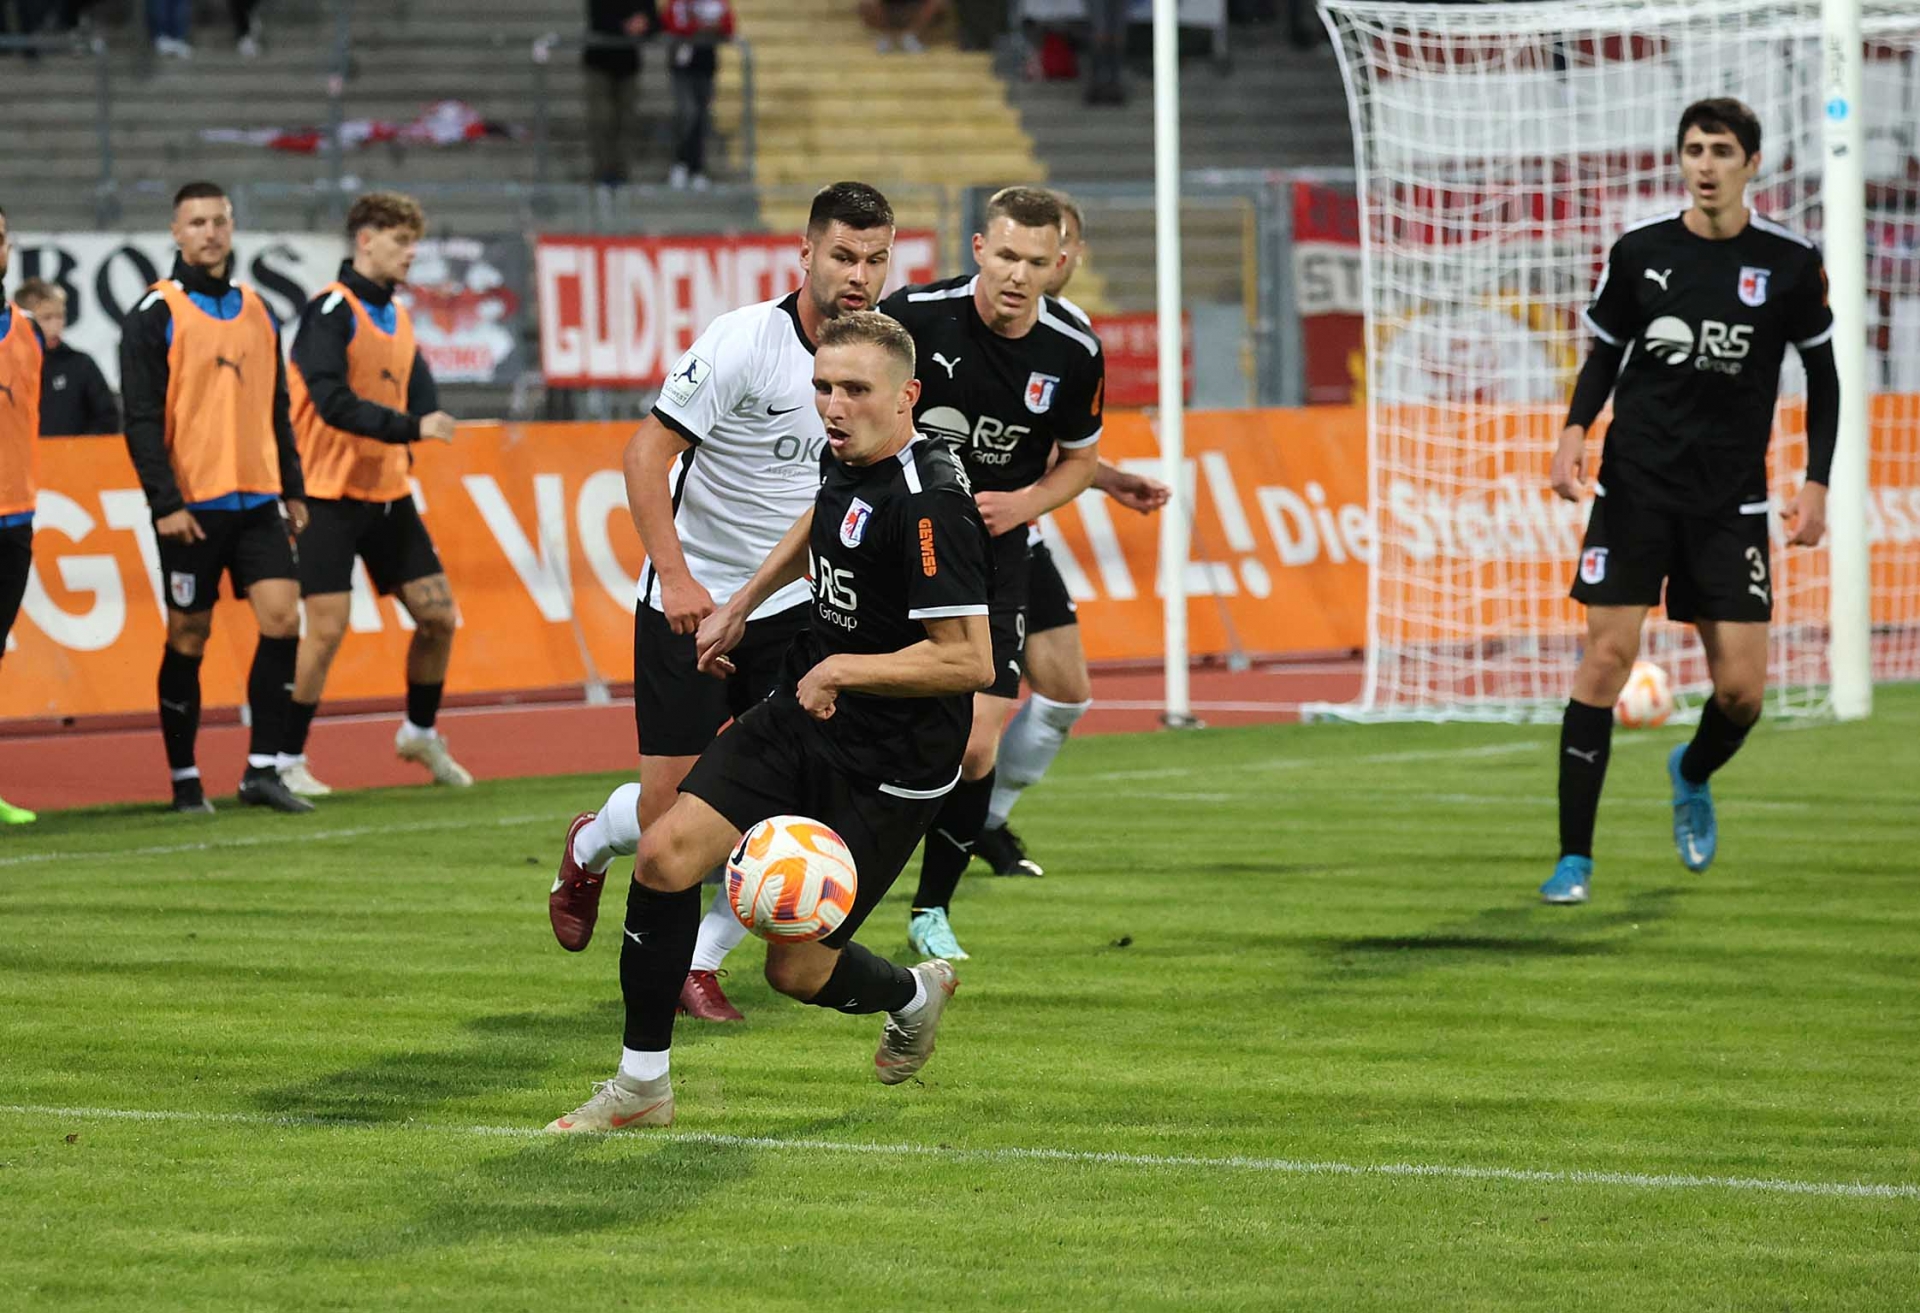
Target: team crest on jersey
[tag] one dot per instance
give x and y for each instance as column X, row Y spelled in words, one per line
column 1040, row 392
column 1593, row 565
column 1753, row 285
column 854, row 527
column 180, row 587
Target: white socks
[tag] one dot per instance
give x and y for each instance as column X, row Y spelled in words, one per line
column 919, row 997
column 720, row 933
column 613, row 832
column 640, row 1066
column 1033, row 739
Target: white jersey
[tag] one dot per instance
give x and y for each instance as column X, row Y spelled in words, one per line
column 743, row 396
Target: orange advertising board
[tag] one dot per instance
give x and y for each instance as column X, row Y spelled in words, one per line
column 532, row 526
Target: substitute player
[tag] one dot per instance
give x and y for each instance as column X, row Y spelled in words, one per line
column 1016, row 383
column 864, row 732
column 207, row 427
column 1055, row 661
column 22, row 351
column 727, row 461
column 361, row 396
column 1702, row 304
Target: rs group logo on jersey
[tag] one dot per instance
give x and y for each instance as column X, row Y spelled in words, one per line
column 1669, row 340
column 1722, row 346
column 1753, row 285
column 854, row 527
column 1040, row 392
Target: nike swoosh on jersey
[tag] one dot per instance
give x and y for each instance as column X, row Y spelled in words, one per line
column 788, row 411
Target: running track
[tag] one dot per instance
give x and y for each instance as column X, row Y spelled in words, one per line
column 47, row 768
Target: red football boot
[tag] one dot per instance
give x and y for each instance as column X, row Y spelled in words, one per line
column 574, row 905
column 702, row 997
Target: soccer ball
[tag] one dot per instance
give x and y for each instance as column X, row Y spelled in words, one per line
column 1647, row 700
column 791, row 880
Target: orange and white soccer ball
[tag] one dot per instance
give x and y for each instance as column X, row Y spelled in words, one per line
column 791, row 880
column 1647, row 700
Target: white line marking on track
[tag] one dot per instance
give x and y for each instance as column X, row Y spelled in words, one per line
column 262, row 840
column 1074, row 1157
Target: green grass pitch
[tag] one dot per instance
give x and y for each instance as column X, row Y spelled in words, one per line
column 1285, row 1027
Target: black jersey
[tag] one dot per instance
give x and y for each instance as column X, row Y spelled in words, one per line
column 1706, row 324
column 1005, row 402
column 894, row 544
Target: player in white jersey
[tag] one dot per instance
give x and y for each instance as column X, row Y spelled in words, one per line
column 727, row 461
column 1061, row 691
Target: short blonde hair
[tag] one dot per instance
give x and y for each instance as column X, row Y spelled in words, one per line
column 871, row 328
column 36, row 292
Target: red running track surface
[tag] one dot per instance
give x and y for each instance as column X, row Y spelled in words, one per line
column 90, row 765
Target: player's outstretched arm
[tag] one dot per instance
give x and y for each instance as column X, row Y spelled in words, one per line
column 955, row 657
column 1071, row 475
column 1136, row 492
column 720, row 632
column 649, row 460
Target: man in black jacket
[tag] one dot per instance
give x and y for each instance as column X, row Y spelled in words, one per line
column 612, row 70
column 74, row 396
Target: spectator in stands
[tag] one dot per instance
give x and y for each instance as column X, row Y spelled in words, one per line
column 613, row 68
column 1106, row 47
column 696, row 27
column 246, row 27
column 902, row 24
column 168, row 22
column 74, row 396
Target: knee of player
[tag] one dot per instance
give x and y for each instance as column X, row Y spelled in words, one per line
column 792, row 978
column 665, row 867
column 981, row 755
column 188, row 632
column 325, row 629
column 1612, row 655
column 280, row 622
column 435, row 626
column 1741, row 703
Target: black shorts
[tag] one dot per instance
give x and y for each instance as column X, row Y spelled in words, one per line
column 246, row 546
column 1049, row 605
column 676, row 709
column 16, row 563
column 1714, row 567
column 766, row 764
column 388, row 535
column 1007, row 621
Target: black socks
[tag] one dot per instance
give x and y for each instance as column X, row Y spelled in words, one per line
column 1586, row 736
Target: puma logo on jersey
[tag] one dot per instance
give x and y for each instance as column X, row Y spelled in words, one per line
column 1660, row 278
column 1591, row 756
column 8, row 389
column 388, row 376
column 944, row 363
column 1760, row 592
column 221, row 362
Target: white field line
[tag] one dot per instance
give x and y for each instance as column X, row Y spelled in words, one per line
column 1071, row 1157
column 291, row 836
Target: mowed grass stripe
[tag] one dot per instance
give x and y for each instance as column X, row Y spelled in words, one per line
column 1075, row 1157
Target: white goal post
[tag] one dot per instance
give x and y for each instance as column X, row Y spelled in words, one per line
column 1500, row 150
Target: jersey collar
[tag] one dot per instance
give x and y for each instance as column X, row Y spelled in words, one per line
column 791, row 304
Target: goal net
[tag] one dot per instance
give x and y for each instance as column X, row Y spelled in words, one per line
column 1501, row 149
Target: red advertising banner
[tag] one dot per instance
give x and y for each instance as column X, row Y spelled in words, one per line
column 618, row 311
column 1329, row 293
column 1131, row 344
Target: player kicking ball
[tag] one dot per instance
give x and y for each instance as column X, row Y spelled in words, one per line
column 864, row 732
column 1701, row 304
